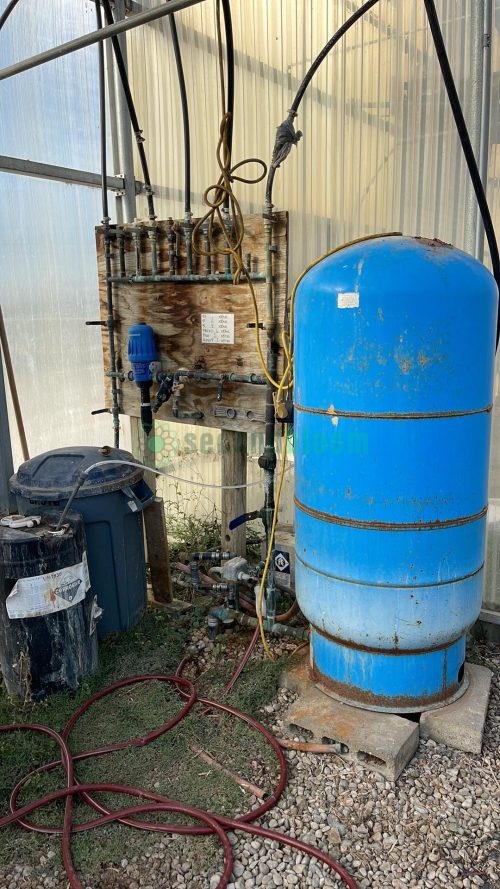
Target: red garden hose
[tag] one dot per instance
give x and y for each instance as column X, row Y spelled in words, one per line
column 211, row 822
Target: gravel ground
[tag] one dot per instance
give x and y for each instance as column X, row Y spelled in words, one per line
column 438, row 826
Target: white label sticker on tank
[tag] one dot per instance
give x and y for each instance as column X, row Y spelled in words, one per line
column 282, row 566
column 347, row 300
column 48, row 593
column 217, row 327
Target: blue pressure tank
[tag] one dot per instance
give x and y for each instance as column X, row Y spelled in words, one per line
column 394, row 356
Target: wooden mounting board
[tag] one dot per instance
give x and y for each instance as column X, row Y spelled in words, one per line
column 174, row 311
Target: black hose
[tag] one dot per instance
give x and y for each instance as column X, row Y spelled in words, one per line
column 185, row 116
column 306, row 81
column 467, row 149
column 458, row 116
column 131, row 110
column 326, row 49
column 7, row 11
column 228, row 26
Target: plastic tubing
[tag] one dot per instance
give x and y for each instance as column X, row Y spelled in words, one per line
column 110, row 322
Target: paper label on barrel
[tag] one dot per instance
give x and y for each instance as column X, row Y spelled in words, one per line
column 48, row 593
column 217, row 327
column 347, row 300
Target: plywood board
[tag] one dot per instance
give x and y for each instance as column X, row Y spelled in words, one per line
column 184, row 338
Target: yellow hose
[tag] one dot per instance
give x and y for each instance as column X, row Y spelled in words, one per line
column 285, row 383
column 222, row 190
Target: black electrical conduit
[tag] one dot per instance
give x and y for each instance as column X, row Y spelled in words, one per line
column 120, row 63
column 185, row 117
column 467, row 148
column 228, row 27
column 458, row 116
column 309, row 76
column 110, row 321
column 212, row 823
column 7, row 11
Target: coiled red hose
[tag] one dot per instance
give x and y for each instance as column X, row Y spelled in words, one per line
column 211, row 822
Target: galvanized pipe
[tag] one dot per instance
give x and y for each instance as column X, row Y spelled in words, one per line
column 267, row 461
column 110, row 325
column 120, row 239
column 218, row 377
column 110, row 322
column 171, row 245
column 25, row 167
column 121, row 129
column 136, row 237
column 153, row 242
column 273, row 627
column 198, row 376
column 188, row 237
column 180, row 279
column 142, row 18
column 278, row 629
column 112, row 105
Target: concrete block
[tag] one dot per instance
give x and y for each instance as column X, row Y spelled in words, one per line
column 461, row 724
column 381, row 742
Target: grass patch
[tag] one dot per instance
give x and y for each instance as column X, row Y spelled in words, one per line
column 167, row 766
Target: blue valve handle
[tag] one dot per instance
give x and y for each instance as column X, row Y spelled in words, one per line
column 245, row 517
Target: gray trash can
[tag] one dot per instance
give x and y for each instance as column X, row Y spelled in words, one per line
column 111, row 501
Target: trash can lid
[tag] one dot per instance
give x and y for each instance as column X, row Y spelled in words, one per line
column 53, row 475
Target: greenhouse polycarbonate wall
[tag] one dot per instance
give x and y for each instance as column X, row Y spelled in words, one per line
column 47, row 245
column 379, row 149
column 379, row 152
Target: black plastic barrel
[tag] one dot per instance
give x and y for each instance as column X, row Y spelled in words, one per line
column 111, row 502
column 48, row 638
